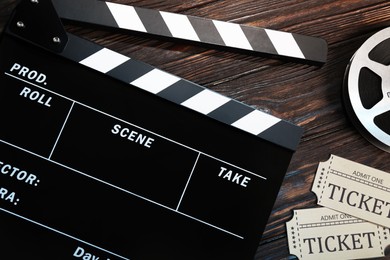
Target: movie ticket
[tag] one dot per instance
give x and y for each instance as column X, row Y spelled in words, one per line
column 322, row 233
column 355, row 189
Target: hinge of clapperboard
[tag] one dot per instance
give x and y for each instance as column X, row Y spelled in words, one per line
column 39, row 22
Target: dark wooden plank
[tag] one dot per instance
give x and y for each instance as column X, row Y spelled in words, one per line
column 306, row 95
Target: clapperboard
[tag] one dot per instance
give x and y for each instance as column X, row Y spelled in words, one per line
column 106, row 157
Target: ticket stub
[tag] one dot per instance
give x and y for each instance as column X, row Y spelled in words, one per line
column 322, row 233
column 355, row 189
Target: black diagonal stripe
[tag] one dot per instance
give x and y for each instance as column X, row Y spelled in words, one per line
column 206, row 30
column 89, row 11
column 180, row 91
column 130, row 70
column 284, row 134
column 230, row 112
column 77, row 49
column 153, row 21
column 315, row 49
column 259, row 40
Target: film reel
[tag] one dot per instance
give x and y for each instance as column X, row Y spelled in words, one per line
column 366, row 89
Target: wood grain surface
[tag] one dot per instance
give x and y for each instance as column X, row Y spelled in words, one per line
column 306, row 95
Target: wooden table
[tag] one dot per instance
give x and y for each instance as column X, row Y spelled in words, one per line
column 306, row 95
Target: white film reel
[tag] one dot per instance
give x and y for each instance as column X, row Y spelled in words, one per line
column 367, row 89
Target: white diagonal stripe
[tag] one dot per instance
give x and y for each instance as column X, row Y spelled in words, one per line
column 284, row 43
column 232, row 35
column 256, row 122
column 126, row 17
column 180, row 26
column 104, row 60
column 206, row 101
column 155, row 81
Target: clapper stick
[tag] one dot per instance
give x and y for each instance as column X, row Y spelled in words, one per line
column 151, row 79
column 182, row 92
column 195, row 29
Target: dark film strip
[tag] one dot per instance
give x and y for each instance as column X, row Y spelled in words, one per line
column 195, row 29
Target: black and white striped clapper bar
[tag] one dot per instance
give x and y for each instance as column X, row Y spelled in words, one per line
column 171, row 87
column 106, row 157
column 196, row 29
